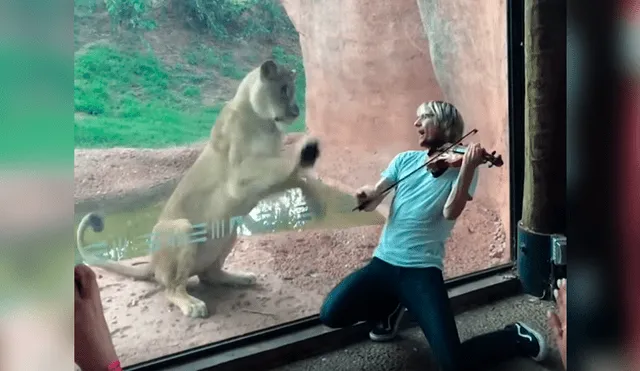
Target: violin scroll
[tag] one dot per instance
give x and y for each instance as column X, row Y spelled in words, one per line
column 454, row 159
column 493, row 160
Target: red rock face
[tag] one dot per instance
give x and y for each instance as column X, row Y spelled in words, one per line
column 367, row 68
column 369, row 63
column 468, row 43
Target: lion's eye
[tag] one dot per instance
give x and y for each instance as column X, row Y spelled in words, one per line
column 284, row 90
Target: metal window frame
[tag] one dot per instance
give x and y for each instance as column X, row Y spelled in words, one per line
column 515, row 35
column 277, row 345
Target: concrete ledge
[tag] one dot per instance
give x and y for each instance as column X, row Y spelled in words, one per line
column 292, row 345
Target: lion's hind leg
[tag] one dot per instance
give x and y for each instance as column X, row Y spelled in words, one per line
column 174, row 262
column 215, row 275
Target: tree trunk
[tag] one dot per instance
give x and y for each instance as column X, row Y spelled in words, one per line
column 544, row 189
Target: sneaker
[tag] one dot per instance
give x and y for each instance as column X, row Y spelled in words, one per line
column 531, row 340
column 387, row 329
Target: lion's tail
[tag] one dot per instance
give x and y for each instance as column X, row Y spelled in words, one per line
column 96, row 222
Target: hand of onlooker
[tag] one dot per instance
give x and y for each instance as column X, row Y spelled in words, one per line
column 558, row 320
column 94, row 349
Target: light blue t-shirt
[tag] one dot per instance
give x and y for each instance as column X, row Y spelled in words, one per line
column 416, row 231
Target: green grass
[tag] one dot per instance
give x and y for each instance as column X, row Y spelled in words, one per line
column 223, row 62
column 134, row 100
column 131, row 99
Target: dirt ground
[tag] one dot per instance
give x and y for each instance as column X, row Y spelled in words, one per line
column 296, row 269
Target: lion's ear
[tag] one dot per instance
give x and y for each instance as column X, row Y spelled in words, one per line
column 269, row 70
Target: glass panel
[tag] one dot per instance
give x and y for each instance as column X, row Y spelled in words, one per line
column 151, row 79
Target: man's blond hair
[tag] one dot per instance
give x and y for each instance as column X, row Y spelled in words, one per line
column 446, row 116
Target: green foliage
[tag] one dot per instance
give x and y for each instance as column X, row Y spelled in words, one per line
column 131, row 99
column 103, row 71
column 191, row 92
column 155, row 127
column 220, row 17
column 223, row 61
column 269, row 20
column 226, row 20
column 82, row 8
column 131, row 13
column 233, row 19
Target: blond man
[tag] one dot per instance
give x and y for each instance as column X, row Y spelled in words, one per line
column 406, row 268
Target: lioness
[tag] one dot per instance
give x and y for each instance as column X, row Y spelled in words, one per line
column 240, row 165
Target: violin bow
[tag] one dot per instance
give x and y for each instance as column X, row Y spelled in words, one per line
column 361, row 206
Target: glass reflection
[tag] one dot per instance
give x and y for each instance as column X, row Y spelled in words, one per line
column 150, row 80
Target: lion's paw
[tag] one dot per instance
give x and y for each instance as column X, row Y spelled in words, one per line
column 309, row 153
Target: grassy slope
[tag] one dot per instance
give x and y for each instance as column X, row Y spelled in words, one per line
column 128, row 93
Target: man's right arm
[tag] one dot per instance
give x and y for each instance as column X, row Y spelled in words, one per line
column 374, row 192
column 387, row 178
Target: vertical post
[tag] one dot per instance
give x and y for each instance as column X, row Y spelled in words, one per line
column 544, row 197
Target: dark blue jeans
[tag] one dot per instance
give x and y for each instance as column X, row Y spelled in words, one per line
column 374, row 291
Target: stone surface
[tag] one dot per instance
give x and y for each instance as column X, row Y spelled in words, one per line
column 468, row 44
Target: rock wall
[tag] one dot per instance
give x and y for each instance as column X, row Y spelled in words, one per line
column 369, row 63
column 468, row 42
column 367, row 69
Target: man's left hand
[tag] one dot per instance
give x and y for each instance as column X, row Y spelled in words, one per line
column 473, row 157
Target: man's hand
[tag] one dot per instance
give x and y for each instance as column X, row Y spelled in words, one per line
column 372, row 194
column 93, row 347
column 459, row 195
column 473, row 157
column 558, row 320
column 365, row 193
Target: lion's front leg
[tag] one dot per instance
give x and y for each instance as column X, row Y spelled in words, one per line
column 255, row 179
column 262, row 176
column 312, row 194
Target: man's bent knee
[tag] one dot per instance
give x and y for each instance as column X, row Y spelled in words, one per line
column 329, row 317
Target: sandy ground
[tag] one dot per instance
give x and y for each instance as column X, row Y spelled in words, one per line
column 296, row 269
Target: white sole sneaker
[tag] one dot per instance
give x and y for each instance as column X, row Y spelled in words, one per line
column 542, row 343
column 391, row 327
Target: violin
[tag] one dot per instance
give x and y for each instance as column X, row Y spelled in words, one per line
column 440, row 161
